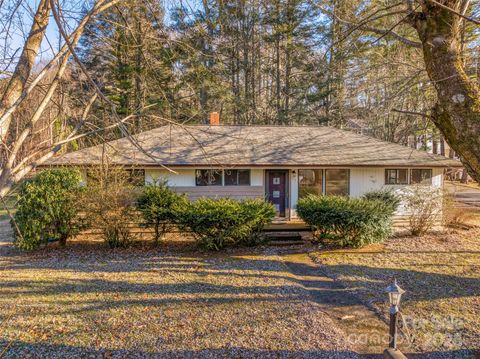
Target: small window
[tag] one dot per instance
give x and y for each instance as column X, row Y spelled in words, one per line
column 309, row 182
column 396, row 176
column 208, row 177
column 421, row 176
column 237, row 177
column 337, row 182
column 136, row 177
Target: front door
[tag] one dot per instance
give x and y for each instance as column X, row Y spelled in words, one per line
column 277, row 190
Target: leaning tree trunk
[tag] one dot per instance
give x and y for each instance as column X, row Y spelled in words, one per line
column 457, row 111
column 25, row 63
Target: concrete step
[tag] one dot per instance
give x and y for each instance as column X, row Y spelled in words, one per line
column 284, row 236
column 285, row 243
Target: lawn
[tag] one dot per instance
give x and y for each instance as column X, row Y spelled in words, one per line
column 176, row 302
column 87, row 300
column 441, row 275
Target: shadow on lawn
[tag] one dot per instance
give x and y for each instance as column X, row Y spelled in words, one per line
column 46, row 350
column 433, row 285
column 164, row 264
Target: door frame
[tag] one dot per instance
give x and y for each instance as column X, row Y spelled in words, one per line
column 287, row 188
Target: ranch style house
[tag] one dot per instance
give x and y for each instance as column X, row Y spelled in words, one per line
column 278, row 163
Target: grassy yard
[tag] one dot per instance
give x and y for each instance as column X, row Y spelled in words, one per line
column 442, row 278
column 87, row 300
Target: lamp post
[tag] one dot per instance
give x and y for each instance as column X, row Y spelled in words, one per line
column 394, row 297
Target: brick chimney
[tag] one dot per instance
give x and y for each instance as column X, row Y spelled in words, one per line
column 214, row 119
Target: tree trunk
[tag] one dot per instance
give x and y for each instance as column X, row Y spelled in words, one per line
column 24, row 66
column 434, row 143
column 139, row 69
column 277, row 63
column 457, row 111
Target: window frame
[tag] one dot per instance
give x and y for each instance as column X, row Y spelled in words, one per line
column 222, row 177
column 396, row 169
column 421, row 169
column 237, row 169
column 322, row 184
column 209, row 184
column 325, row 181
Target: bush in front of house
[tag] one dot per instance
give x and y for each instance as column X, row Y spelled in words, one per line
column 109, row 205
column 159, row 207
column 47, row 209
column 350, row 222
column 388, row 197
column 424, row 207
column 218, row 223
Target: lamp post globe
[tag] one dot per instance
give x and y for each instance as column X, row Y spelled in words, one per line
column 395, row 293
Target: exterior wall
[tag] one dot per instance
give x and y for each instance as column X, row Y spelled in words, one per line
column 293, row 193
column 183, row 181
column 362, row 180
column 366, row 179
column 182, row 177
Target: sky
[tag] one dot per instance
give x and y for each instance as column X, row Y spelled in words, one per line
column 16, row 19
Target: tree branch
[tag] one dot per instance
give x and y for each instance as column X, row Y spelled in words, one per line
column 461, row 14
column 411, row 113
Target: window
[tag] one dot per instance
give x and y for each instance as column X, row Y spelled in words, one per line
column 310, row 182
column 136, row 177
column 337, row 182
column 208, row 177
column 396, row 176
column 237, row 177
column 421, row 176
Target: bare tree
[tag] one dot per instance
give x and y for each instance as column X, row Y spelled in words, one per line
column 23, row 83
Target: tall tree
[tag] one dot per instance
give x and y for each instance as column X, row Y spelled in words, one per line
column 437, row 28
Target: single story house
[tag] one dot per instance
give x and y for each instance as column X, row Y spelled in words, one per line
column 278, row 163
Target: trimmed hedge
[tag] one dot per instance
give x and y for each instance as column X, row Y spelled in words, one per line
column 159, row 207
column 217, row 223
column 388, row 197
column 350, row 222
column 47, row 209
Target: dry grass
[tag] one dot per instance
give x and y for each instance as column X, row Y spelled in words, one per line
column 86, row 300
column 442, row 278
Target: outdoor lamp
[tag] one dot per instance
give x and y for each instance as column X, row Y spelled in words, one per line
column 394, row 293
column 394, row 296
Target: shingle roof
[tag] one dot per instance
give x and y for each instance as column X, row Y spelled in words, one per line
column 202, row 145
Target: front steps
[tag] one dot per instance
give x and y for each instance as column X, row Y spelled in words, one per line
column 283, row 238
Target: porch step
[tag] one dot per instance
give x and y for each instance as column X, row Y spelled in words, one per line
column 285, row 243
column 284, row 238
column 278, row 226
